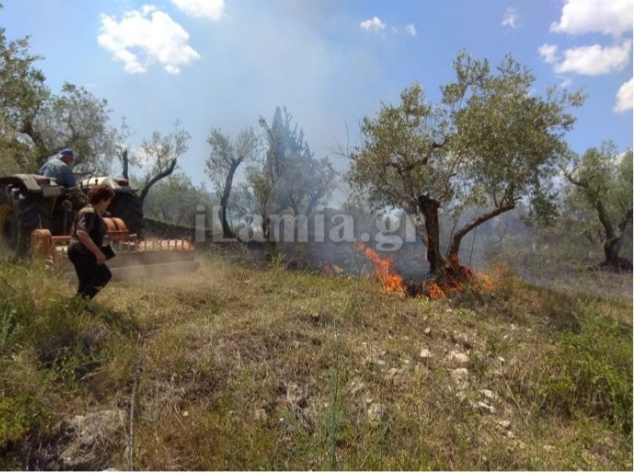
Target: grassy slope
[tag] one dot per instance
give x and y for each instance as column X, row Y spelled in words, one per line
column 246, row 369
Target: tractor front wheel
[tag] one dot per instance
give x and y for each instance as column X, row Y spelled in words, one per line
column 18, row 217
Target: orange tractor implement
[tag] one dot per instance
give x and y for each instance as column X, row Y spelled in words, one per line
column 36, row 217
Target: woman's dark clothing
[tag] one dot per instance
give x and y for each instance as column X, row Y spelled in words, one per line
column 92, row 277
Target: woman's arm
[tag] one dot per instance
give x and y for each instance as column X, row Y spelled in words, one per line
column 85, row 239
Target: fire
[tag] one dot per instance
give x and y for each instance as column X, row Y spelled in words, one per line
column 384, row 270
column 453, row 281
column 434, row 290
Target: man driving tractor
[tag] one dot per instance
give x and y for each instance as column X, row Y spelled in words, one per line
column 59, row 168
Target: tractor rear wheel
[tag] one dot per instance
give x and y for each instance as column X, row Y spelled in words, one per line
column 129, row 208
column 19, row 216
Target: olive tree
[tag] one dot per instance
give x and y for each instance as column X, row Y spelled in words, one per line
column 160, row 156
column 22, row 92
column 491, row 143
column 225, row 158
column 175, row 200
column 74, row 118
column 601, row 200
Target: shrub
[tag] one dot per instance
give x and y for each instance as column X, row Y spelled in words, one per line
column 592, row 371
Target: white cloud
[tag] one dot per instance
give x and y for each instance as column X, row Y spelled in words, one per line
column 374, row 24
column 210, row 9
column 610, row 17
column 548, row 53
column 588, row 60
column 510, row 18
column 410, row 29
column 625, row 97
column 146, row 37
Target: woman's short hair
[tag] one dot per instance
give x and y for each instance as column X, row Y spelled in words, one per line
column 99, row 193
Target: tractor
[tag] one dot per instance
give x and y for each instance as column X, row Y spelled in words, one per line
column 37, row 214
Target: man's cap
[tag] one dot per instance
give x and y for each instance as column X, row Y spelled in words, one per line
column 68, row 153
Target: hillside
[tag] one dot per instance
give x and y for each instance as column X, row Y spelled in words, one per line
column 247, row 367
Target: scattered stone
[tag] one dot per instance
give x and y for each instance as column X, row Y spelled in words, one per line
column 376, row 413
column 356, row 387
column 392, row 373
column 295, row 395
column 425, row 354
column 483, row 408
column 90, row 440
column 261, row 415
column 504, row 424
column 501, row 360
column 427, row 331
column 459, row 357
column 461, row 376
column 548, row 448
column 463, row 339
column 490, row 395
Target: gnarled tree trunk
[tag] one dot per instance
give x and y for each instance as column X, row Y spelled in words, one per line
column 429, row 208
column 225, row 196
column 614, row 240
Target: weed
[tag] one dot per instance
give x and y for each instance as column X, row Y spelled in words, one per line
column 593, row 372
column 246, row 367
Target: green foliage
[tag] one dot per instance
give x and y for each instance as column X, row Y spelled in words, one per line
column 35, row 123
column 22, row 90
column 398, row 161
column 161, row 155
column 599, row 203
column 50, row 348
column 592, row 372
column 226, row 155
column 175, row 200
column 225, row 158
column 298, row 180
column 75, row 118
column 491, row 144
column 19, row 415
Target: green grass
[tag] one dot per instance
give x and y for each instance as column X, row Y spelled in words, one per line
column 239, row 368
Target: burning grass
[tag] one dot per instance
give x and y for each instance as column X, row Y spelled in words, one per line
column 268, row 369
column 450, row 282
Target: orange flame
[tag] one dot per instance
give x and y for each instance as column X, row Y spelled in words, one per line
column 384, row 270
column 451, row 282
column 434, row 290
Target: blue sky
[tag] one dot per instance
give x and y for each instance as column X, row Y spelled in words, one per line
column 224, row 63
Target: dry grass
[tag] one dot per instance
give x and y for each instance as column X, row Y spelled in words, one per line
column 266, row 369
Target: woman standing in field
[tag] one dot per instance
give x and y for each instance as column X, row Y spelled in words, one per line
column 86, row 250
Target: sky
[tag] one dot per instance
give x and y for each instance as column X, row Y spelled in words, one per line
column 226, row 63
